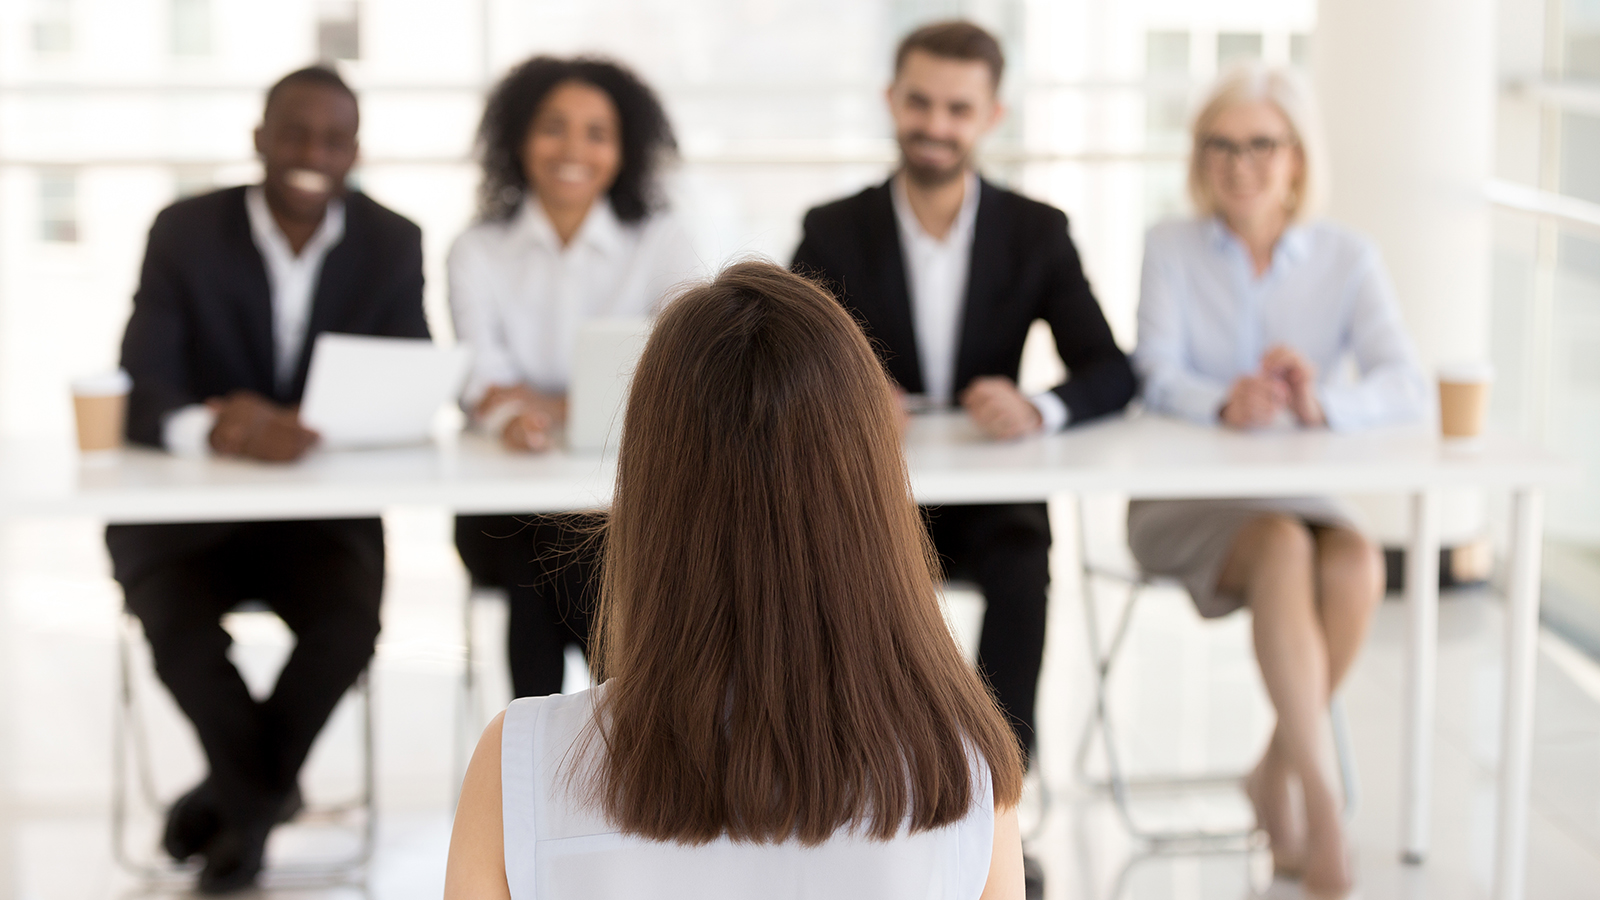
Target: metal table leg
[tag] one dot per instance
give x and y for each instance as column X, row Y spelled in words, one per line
column 1422, row 604
column 1516, row 723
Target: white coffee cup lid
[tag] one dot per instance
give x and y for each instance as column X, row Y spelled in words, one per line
column 104, row 384
column 1466, row 372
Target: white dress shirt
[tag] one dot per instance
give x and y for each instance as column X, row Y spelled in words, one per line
column 1205, row 319
column 292, row 283
column 936, row 278
column 518, row 295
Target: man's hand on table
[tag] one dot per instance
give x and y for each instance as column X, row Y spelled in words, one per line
column 999, row 409
column 250, row 425
column 525, row 416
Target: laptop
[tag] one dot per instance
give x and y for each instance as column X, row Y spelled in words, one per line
column 603, row 360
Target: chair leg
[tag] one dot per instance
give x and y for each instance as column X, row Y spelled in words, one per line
column 468, row 703
column 369, row 773
column 1119, row 785
column 1348, row 779
column 130, row 750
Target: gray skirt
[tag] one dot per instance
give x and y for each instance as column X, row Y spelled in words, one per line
column 1189, row 540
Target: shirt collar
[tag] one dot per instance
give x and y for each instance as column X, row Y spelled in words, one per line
column 1294, row 245
column 960, row 230
column 601, row 229
column 264, row 228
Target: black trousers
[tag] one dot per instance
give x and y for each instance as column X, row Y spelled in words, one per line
column 323, row 578
column 1005, row 548
column 549, row 567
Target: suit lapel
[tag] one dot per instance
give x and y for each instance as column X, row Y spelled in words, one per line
column 254, row 292
column 986, row 272
column 894, row 324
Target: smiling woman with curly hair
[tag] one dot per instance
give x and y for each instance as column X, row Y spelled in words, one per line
column 645, row 142
column 572, row 227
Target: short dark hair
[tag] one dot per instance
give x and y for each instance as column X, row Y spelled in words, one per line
column 647, row 139
column 318, row 75
column 954, row 39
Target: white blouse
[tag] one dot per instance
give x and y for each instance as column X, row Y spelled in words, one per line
column 559, row 847
column 518, row 296
column 1205, row 319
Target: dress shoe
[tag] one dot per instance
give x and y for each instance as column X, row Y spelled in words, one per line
column 192, row 822
column 234, row 857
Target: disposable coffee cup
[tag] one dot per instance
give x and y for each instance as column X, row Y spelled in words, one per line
column 101, row 405
column 1464, row 399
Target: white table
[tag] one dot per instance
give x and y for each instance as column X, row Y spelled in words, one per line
column 1141, row 457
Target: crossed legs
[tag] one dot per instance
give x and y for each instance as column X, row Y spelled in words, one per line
column 1312, row 594
column 325, row 580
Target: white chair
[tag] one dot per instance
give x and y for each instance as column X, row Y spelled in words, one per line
column 134, row 783
column 470, row 715
column 1103, row 656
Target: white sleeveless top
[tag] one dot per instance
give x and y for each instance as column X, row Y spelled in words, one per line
column 558, row 848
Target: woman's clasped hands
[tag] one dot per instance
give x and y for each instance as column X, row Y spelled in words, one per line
column 1286, row 381
column 523, row 418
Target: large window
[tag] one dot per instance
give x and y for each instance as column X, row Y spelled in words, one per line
column 1547, row 277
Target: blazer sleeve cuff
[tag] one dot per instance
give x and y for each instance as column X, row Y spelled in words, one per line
column 1053, row 410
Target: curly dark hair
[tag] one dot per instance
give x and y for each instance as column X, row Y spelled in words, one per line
column 647, row 139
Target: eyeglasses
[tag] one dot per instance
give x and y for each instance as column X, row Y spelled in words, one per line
column 1255, row 151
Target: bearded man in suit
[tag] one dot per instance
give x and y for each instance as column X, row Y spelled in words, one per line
column 947, row 273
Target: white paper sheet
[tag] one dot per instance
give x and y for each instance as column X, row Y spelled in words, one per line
column 366, row 391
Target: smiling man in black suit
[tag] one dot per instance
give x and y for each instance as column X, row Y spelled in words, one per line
column 946, row 273
column 235, row 287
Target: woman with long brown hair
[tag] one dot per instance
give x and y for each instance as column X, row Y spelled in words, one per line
column 782, row 709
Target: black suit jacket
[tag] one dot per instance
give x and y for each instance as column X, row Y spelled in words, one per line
column 202, row 316
column 202, row 326
column 1023, row 268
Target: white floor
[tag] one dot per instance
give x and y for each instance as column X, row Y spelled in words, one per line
column 1187, row 694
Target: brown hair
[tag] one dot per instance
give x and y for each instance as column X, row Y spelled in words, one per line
column 776, row 665
column 954, row 39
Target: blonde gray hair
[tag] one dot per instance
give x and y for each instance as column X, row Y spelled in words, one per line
column 1287, row 91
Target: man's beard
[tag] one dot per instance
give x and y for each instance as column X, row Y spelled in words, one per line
column 927, row 176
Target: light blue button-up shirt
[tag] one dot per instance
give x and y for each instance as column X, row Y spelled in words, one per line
column 1205, row 320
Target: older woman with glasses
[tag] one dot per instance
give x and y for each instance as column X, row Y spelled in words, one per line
column 1256, row 315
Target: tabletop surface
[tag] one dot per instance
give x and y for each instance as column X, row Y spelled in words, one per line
column 949, row 462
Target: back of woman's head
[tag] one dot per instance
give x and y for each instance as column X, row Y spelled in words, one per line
column 777, row 663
